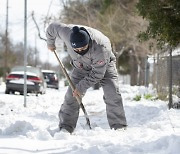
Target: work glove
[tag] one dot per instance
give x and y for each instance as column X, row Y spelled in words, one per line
column 76, row 93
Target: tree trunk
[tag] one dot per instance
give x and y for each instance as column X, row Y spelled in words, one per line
column 133, row 69
column 142, row 71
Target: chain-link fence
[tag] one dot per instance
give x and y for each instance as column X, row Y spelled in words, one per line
column 162, row 72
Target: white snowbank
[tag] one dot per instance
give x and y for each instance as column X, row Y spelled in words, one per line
column 153, row 129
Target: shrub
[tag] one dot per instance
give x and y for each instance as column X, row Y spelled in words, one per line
column 148, row 96
column 137, row 98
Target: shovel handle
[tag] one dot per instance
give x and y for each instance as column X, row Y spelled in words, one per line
column 79, row 99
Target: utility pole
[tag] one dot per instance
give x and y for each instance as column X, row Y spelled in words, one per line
column 6, row 40
column 25, row 51
column 36, row 53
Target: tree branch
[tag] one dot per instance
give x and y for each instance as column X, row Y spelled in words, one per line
column 39, row 34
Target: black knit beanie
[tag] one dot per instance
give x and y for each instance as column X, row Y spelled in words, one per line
column 78, row 38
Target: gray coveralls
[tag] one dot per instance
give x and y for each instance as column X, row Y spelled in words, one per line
column 97, row 65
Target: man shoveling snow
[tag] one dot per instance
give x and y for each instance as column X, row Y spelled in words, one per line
column 93, row 62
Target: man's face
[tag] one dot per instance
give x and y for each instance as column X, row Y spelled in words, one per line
column 82, row 49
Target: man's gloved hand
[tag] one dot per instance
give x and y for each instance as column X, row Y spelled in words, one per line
column 52, row 48
column 76, row 93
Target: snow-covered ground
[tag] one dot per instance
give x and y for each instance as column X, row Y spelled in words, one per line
column 153, row 129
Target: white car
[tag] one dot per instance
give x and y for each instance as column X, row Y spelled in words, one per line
column 35, row 80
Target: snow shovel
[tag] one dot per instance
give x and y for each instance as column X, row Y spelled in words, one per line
column 79, row 99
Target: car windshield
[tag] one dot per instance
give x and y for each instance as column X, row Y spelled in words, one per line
column 49, row 74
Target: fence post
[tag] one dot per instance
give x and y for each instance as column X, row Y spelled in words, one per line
column 170, row 79
column 157, row 73
column 146, row 72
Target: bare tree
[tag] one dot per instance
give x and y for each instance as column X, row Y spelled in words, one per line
column 37, row 26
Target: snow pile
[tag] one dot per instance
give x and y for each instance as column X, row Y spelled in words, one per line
column 152, row 127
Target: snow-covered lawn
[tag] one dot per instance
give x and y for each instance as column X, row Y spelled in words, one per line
column 153, row 129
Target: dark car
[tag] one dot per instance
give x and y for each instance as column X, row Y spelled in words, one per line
column 51, row 78
column 35, row 80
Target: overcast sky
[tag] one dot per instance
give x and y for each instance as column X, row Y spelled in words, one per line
column 16, row 22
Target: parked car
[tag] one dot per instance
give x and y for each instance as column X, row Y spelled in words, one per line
column 35, row 80
column 51, row 78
